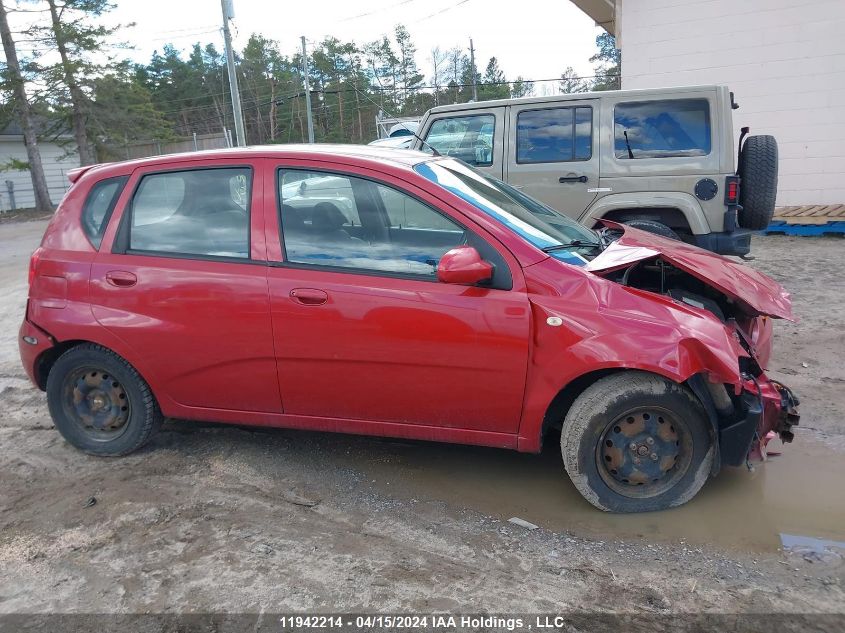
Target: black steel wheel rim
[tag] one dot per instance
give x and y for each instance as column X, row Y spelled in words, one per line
column 644, row 452
column 97, row 403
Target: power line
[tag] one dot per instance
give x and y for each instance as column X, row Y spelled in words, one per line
column 374, row 11
column 436, row 13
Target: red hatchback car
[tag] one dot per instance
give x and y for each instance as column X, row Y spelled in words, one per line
column 389, row 292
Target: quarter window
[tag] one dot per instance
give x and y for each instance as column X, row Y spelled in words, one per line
column 662, row 129
column 347, row 222
column 469, row 138
column 554, row 135
column 99, row 206
column 199, row 212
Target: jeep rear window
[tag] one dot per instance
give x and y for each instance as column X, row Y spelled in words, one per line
column 98, row 208
column 662, row 129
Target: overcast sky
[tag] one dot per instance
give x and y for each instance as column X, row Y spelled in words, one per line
column 537, row 39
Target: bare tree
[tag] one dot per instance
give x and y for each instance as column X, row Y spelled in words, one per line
column 441, row 73
column 24, row 115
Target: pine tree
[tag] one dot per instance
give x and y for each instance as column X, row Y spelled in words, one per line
column 609, row 69
column 15, row 82
column 570, row 82
column 77, row 32
column 494, row 84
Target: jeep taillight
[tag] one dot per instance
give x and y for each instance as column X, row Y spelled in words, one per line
column 732, row 190
column 33, row 264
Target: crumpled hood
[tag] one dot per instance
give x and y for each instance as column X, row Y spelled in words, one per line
column 755, row 292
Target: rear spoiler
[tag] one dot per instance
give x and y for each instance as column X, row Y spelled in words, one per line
column 74, row 174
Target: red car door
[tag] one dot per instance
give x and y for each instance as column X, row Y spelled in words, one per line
column 362, row 328
column 182, row 282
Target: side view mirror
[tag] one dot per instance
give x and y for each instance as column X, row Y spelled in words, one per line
column 463, row 265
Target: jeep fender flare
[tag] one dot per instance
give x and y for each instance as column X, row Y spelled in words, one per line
column 684, row 202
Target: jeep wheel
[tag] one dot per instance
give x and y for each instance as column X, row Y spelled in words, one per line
column 99, row 402
column 636, row 442
column 758, row 170
column 652, row 226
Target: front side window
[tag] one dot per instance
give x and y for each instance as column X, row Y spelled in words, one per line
column 348, row 222
column 99, row 206
column 199, row 212
column 662, row 129
column 469, row 138
column 554, row 135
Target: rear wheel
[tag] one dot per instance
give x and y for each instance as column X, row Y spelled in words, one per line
column 100, row 403
column 652, row 226
column 758, row 170
column 636, row 442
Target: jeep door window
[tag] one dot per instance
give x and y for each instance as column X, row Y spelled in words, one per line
column 554, row 135
column 535, row 222
column 197, row 212
column 469, row 138
column 347, row 222
column 662, row 129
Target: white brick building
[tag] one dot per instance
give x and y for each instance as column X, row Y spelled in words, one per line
column 784, row 60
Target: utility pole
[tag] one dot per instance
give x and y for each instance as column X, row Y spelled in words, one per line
column 228, row 14
column 474, row 73
column 307, row 93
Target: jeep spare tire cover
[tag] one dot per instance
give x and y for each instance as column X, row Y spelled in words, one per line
column 758, row 169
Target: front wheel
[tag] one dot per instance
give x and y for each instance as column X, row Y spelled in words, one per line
column 636, row 442
column 100, row 403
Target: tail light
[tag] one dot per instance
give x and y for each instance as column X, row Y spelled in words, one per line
column 33, row 264
column 732, row 190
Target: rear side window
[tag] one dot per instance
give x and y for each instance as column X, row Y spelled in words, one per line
column 469, row 138
column 662, row 129
column 554, row 135
column 199, row 212
column 99, row 206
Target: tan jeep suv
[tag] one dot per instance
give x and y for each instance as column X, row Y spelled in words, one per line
column 662, row 159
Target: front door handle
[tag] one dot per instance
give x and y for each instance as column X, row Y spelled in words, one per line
column 564, row 179
column 309, row 296
column 121, row 278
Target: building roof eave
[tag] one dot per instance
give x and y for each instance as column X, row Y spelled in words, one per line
column 603, row 12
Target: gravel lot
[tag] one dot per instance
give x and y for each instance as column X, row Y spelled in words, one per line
column 222, row 518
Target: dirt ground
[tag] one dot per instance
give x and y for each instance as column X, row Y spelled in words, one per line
column 229, row 519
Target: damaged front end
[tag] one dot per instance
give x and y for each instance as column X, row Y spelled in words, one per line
column 752, row 409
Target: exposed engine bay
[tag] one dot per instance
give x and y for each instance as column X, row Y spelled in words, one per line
column 747, row 416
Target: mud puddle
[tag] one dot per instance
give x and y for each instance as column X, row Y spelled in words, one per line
column 797, row 493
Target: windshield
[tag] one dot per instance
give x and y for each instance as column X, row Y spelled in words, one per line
column 541, row 225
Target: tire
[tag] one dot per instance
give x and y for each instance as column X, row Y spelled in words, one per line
column 100, row 403
column 652, row 226
column 758, row 170
column 629, row 409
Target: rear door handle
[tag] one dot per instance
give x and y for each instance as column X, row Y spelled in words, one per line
column 121, row 278
column 309, row 296
column 564, row 179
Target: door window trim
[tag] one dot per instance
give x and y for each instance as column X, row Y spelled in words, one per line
column 121, row 238
column 574, row 127
column 371, row 272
